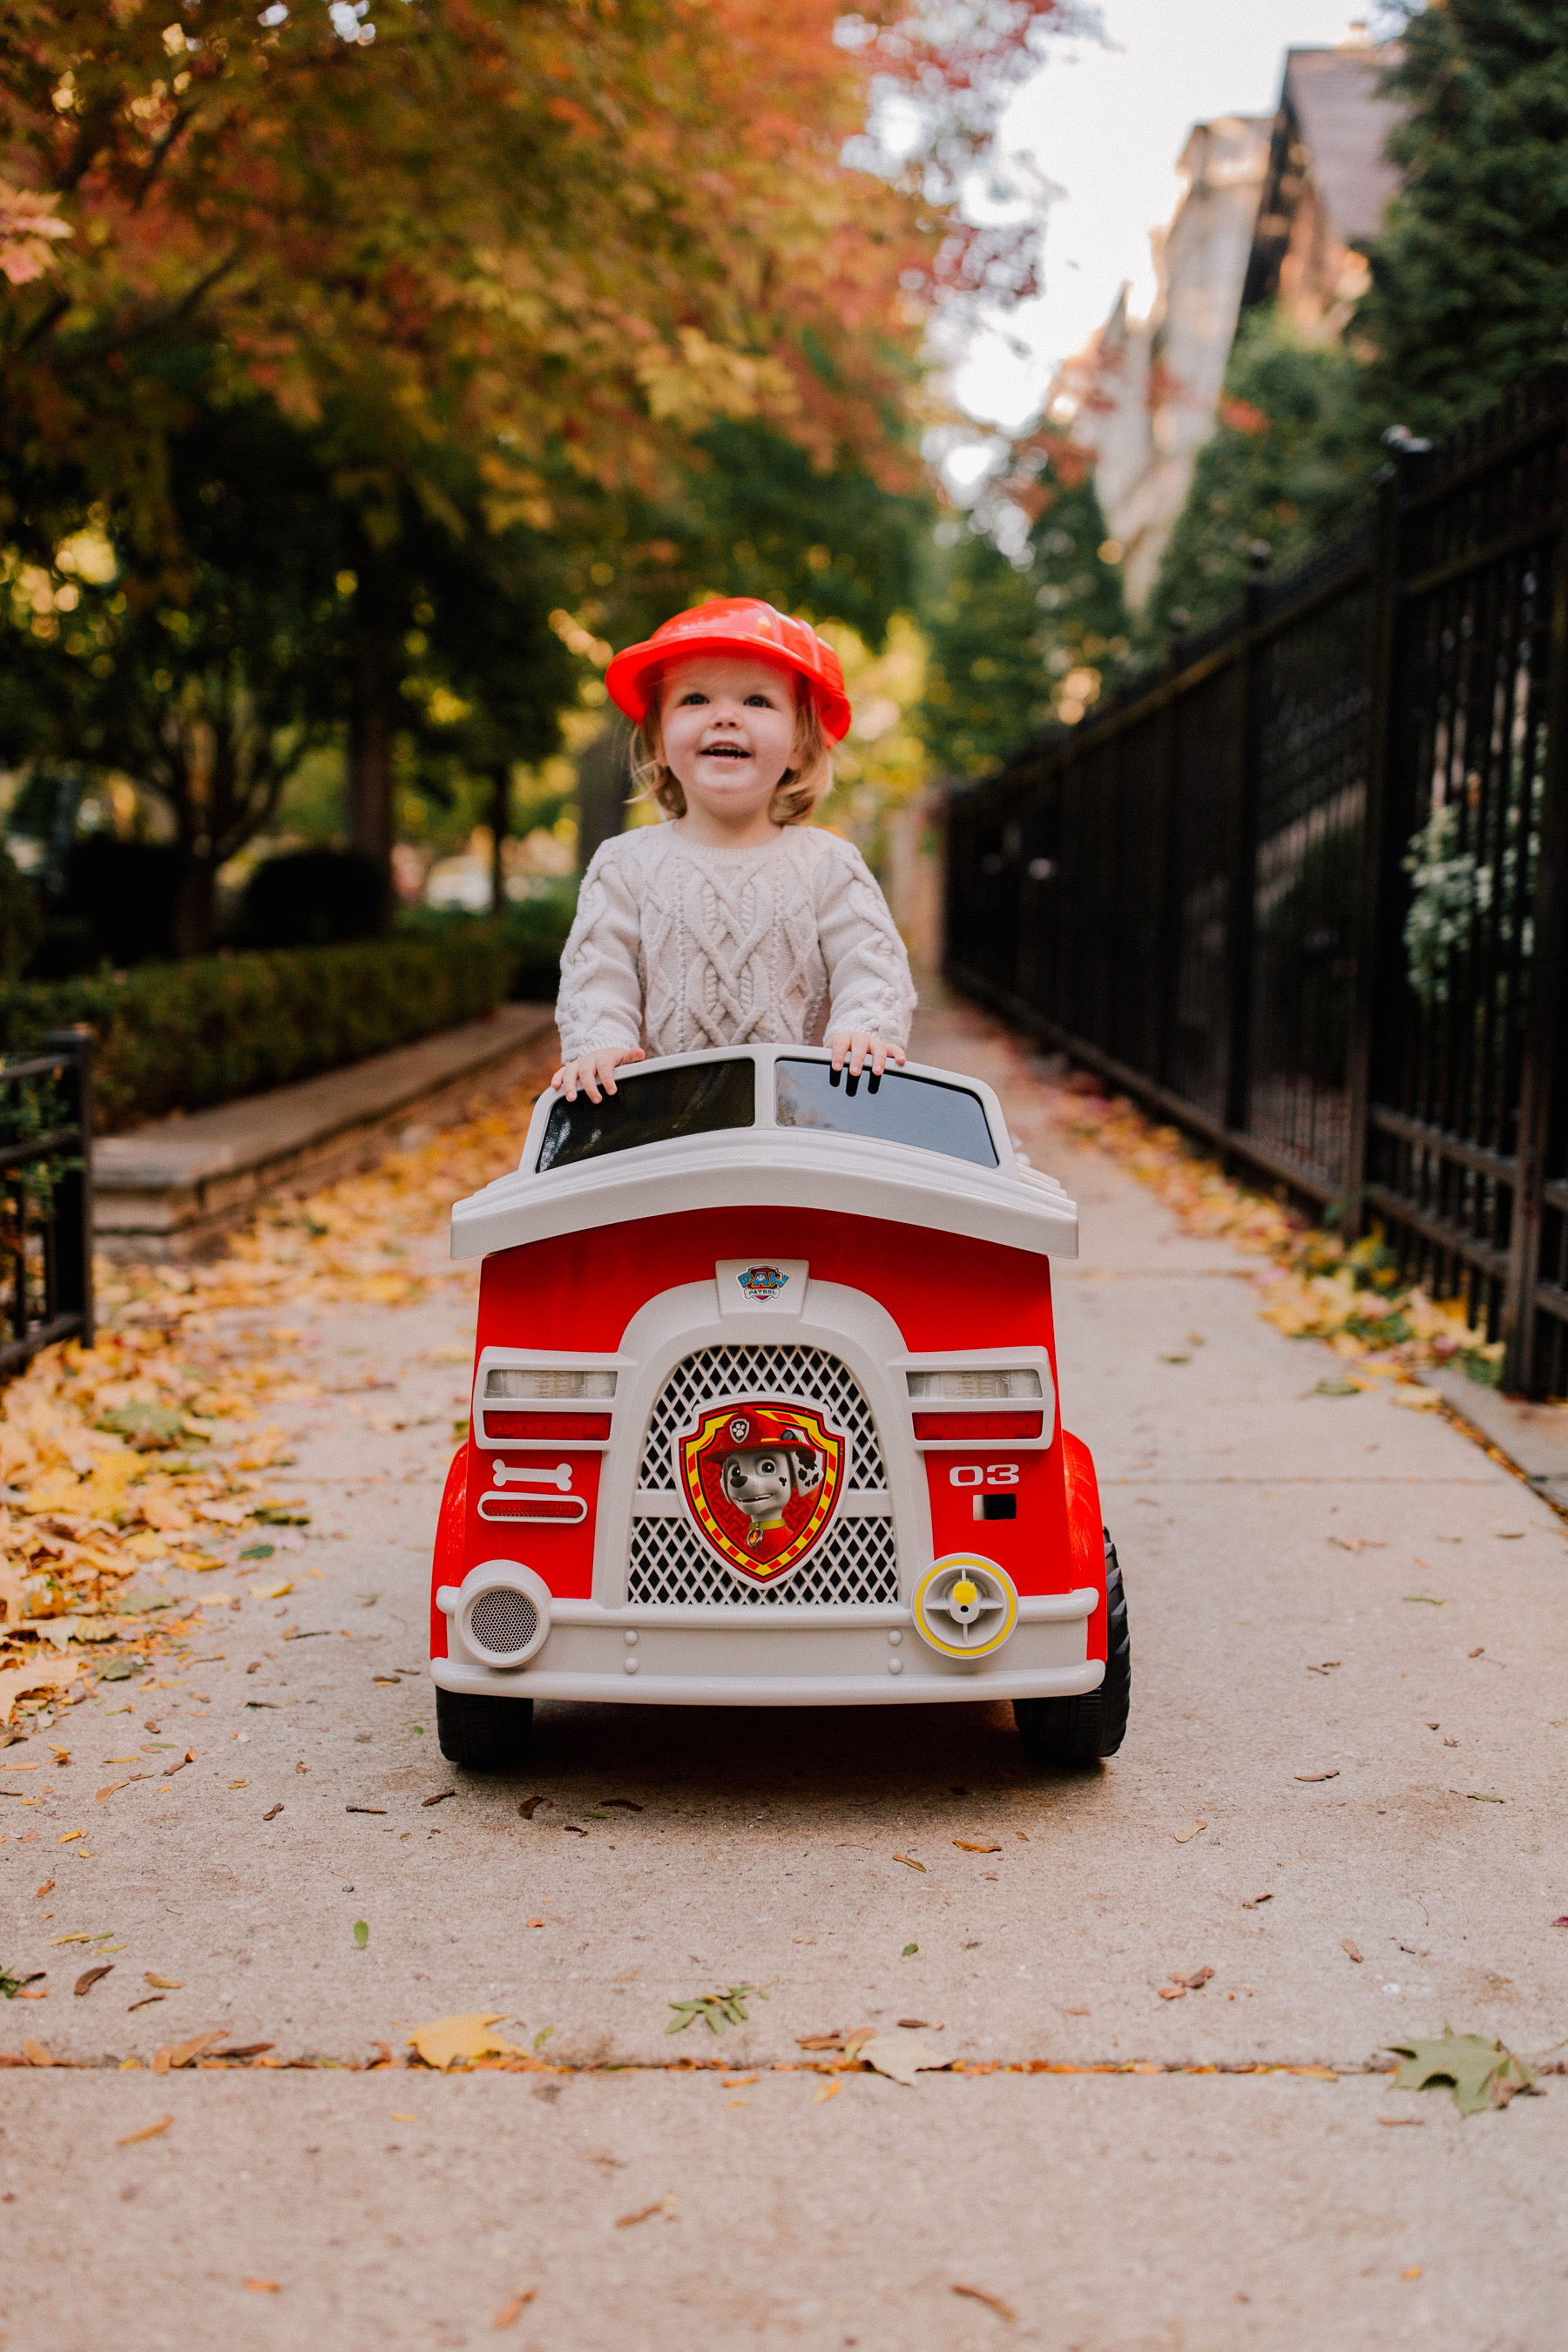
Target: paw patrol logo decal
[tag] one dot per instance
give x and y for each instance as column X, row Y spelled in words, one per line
column 763, row 1482
column 762, row 1283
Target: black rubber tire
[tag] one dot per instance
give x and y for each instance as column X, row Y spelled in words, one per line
column 1062, row 1734
column 484, row 1735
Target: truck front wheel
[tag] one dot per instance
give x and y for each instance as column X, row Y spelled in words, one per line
column 1062, row 1733
column 484, row 1735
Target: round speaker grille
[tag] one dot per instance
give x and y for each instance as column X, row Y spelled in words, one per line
column 503, row 1622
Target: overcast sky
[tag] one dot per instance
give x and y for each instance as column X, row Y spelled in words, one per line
column 1104, row 122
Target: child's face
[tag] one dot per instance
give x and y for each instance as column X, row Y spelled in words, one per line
column 728, row 729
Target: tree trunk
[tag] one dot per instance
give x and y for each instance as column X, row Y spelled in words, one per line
column 603, row 781
column 195, row 906
column 501, row 826
column 370, row 762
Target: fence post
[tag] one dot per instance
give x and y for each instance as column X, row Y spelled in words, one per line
column 73, row 1195
column 1241, row 914
column 1547, row 974
column 1168, row 948
column 1378, row 991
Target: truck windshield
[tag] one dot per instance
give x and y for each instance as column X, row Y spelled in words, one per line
column 696, row 1101
column 893, row 1108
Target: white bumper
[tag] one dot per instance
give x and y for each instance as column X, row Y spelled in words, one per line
column 766, row 1658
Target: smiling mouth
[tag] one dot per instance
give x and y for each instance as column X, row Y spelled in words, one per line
column 725, row 751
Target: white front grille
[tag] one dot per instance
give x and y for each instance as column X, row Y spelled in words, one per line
column 856, row 1560
column 809, row 1375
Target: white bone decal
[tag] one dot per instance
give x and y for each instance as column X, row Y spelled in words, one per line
column 560, row 1478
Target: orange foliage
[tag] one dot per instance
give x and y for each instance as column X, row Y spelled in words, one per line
column 589, row 225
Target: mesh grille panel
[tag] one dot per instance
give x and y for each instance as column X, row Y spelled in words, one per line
column 503, row 1622
column 808, row 1374
column 856, row 1560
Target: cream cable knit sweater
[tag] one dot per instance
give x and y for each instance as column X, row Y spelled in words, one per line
column 676, row 946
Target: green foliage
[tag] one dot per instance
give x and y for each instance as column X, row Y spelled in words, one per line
column 176, row 1037
column 1292, row 454
column 716, row 2009
column 1014, row 645
column 534, row 929
column 1470, row 275
column 752, row 515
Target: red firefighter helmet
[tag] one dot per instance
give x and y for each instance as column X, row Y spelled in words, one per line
column 739, row 625
column 753, row 1428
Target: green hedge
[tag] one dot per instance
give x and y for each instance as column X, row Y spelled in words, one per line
column 176, row 1036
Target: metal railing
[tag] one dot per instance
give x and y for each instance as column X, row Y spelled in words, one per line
column 1304, row 892
column 45, row 1199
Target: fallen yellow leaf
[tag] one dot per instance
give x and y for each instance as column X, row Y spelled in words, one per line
column 1183, row 1835
column 275, row 1592
column 515, row 2308
column 908, row 1862
column 445, row 2040
column 149, row 2131
column 825, row 2091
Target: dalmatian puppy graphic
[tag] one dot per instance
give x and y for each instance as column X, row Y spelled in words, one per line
column 769, row 1459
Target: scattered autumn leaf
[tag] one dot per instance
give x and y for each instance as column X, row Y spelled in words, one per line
column 716, row 2010
column 664, row 2205
column 900, row 2056
column 964, row 1846
column 1480, row 2073
column 515, row 2308
column 148, row 2131
column 450, row 2040
column 993, row 2302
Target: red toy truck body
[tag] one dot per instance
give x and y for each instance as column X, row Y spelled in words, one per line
column 765, row 1413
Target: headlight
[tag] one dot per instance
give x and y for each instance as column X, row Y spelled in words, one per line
column 539, row 1382
column 1023, row 1382
column 504, row 1614
column 965, row 1606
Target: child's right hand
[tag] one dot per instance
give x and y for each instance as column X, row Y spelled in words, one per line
column 592, row 1071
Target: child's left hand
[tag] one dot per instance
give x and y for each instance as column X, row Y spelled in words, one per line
column 859, row 1042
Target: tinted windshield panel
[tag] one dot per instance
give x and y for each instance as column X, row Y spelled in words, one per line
column 893, row 1108
column 694, row 1101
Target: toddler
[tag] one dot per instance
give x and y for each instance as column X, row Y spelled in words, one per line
column 736, row 921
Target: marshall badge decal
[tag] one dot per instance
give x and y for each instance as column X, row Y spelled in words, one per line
column 763, row 1482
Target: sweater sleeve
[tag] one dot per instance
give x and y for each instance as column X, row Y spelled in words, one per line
column 868, row 976
column 601, row 999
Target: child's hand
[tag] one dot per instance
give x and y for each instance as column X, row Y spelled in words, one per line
column 592, row 1071
column 857, row 1043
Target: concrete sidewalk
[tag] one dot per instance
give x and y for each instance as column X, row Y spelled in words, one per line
column 1342, row 1792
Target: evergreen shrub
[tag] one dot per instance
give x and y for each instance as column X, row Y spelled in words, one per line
column 178, row 1037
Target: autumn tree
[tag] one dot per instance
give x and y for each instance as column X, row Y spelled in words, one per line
column 541, row 248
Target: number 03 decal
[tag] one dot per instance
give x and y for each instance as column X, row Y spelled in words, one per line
column 993, row 1473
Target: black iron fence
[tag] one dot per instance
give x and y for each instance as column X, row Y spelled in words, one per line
column 1304, row 893
column 45, row 1198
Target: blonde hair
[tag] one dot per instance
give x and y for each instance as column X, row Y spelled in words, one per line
column 807, row 779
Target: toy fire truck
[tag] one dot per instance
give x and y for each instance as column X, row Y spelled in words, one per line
column 764, row 1415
